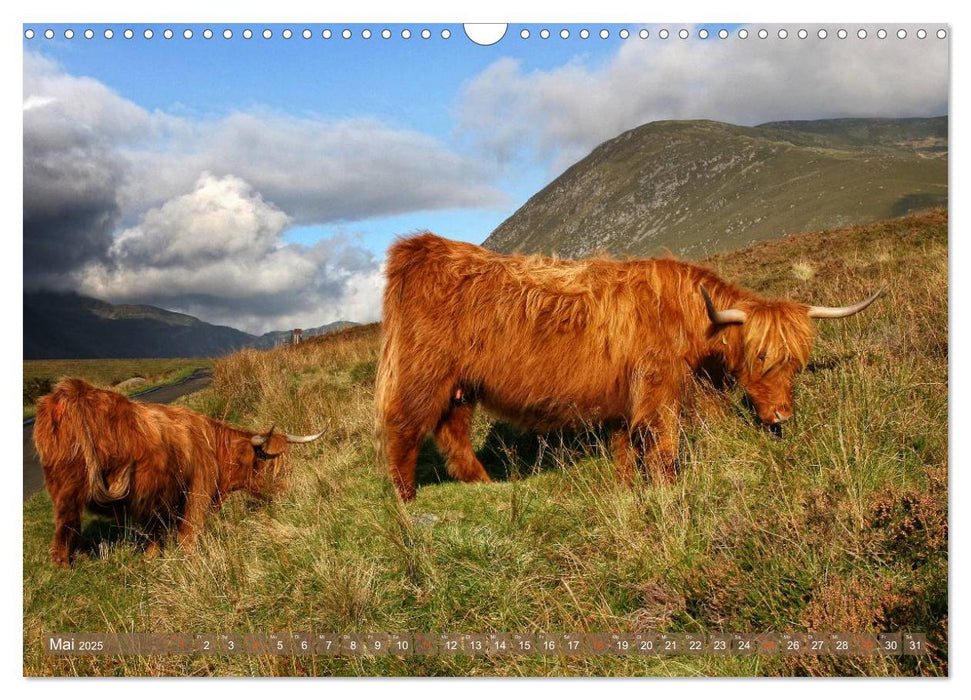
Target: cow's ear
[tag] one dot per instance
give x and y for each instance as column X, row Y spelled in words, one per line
column 274, row 446
column 279, row 444
column 261, row 439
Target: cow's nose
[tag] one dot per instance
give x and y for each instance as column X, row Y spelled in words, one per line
column 782, row 417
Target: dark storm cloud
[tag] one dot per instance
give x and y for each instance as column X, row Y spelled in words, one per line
column 72, row 171
column 132, row 206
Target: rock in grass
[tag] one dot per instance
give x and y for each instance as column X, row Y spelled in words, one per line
column 132, row 383
column 426, row 520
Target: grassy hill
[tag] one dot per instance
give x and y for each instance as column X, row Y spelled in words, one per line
column 838, row 526
column 700, row 187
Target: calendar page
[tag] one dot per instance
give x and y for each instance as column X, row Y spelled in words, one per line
column 441, row 349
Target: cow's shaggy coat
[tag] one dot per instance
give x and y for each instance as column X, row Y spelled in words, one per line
column 157, row 466
column 547, row 344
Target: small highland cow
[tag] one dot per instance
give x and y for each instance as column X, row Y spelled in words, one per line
column 162, row 467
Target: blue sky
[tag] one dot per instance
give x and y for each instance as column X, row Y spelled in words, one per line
column 258, row 182
column 412, row 83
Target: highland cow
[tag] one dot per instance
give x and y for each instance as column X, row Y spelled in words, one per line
column 161, row 467
column 549, row 344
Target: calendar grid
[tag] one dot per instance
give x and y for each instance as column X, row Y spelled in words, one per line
column 375, row 644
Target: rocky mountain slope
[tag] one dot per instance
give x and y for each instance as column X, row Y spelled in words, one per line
column 699, row 187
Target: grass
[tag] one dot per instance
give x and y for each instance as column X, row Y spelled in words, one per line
column 839, row 526
column 41, row 375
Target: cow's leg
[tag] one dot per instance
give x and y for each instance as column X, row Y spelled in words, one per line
column 409, row 418
column 661, row 453
column 656, row 424
column 194, row 516
column 155, row 531
column 69, row 498
column 153, row 549
column 624, row 454
column 454, row 437
column 401, row 446
column 68, row 506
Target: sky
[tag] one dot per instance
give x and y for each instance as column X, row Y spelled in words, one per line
column 257, row 182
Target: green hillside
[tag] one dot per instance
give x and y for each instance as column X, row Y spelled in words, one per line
column 699, row 187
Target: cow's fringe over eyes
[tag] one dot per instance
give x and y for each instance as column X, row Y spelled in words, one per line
column 777, row 335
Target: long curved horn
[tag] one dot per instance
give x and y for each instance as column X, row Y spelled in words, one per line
column 258, row 440
column 843, row 311
column 299, row 439
column 721, row 317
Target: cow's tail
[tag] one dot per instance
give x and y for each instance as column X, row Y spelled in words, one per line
column 63, row 428
column 387, row 374
column 381, row 398
column 102, row 492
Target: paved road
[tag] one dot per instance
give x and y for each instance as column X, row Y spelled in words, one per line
column 34, row 476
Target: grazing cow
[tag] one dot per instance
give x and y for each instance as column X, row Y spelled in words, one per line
column 159, row 466
column 548, row 344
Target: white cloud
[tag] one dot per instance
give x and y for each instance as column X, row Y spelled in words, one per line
column 216, row 252
column 319, row 171
column 37, row 101
column 560, row 114
column 95, row 162
column 220, row 218
column 76, row 107
column 134, row 206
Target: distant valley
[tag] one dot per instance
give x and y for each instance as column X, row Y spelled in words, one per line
column 70, row 326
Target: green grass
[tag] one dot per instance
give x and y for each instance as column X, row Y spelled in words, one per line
column 41, row 375
column 839, row 526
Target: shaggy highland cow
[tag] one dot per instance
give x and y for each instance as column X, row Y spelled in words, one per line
column 160, row 466
column 549, row 344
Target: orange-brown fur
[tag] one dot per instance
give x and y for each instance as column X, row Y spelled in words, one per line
column 159, row 466
column 548, row 343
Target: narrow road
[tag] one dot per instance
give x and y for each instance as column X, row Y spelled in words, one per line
column 34, row 476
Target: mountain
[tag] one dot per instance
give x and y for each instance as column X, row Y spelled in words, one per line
column 699, row 187
column 70, row 326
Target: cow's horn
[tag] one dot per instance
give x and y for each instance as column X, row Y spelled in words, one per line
column 843, row 311
column 258, row 440
column 721, row 317
column 299, row 439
